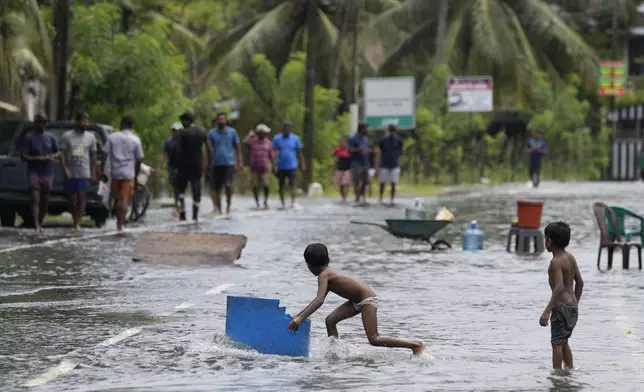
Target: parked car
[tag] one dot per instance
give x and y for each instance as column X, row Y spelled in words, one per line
column 15, row 198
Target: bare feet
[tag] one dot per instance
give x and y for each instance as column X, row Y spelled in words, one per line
column 175, row 213
column 420, row 349
column 265, row 205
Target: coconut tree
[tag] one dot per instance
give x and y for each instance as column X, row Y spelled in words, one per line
column 508, row 39
column 25, row 48
column 281, row 30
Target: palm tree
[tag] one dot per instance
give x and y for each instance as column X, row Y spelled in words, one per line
column 508, row 39
column 26, row 53
column 281, row 30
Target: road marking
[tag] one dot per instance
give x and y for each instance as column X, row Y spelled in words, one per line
column 219, row 289
column 66, row 366
column 58, row 370
column 176, row 309
column 120, row 337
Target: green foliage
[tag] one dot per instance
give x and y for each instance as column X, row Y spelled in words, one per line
column 455, row 147
column 270, row 99
column 561, row 116
column 139, row 73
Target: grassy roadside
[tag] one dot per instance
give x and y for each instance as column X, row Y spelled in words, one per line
column 59, row 220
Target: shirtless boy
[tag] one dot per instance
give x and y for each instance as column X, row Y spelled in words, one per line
column 361, row 299
column 562, row 308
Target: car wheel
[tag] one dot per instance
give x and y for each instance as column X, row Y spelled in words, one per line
column 27, row 219
column 99, row 220
column 7, row 218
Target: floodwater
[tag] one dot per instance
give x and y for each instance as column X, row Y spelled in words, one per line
column 81, row 316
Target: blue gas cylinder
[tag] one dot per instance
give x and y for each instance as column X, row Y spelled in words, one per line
column 473, row 238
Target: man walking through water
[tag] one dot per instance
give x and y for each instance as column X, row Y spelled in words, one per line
column 170, row 157
column 191, row 161
column 39, row 149
column 261, row 154
column 125, row 154
column 359, row 147
column 78, row 159
column 389, row 151
column 224, row 153
column 537, row 148
column 289, row 149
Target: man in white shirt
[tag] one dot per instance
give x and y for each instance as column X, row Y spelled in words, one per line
column 125, row 153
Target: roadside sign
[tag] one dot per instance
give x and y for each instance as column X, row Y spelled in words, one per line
column 470, row 94
column 612, row 77
column 389, row 101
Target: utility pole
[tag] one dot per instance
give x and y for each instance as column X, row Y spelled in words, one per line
column 309, row 98
column 616, row 57
column 58, row 96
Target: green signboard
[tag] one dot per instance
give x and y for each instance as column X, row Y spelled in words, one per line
column 390, row 101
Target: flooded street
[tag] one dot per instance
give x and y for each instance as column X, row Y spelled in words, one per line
column 81, row 316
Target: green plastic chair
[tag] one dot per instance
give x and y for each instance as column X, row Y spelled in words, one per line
column 621, row 214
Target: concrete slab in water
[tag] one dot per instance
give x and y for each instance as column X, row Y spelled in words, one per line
column 196, row 249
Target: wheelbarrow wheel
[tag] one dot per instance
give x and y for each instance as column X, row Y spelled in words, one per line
column 441, row 245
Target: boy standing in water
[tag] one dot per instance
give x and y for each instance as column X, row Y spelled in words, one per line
column 361, row 299
column 562, row 308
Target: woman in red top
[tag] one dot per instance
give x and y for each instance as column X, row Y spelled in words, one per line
column 342, row 176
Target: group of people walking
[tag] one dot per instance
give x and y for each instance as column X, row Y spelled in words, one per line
column 191, row 154
column 358, row 160
column 78, row 154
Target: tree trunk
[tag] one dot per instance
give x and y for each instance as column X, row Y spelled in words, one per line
column 309, row 98
column 440, row 32
column 337, row 55
column 60, row 55
column 356, row 56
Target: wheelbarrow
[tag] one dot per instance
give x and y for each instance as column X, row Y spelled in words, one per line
column 413, row 229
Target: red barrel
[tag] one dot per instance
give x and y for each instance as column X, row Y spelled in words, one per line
column 529, row 212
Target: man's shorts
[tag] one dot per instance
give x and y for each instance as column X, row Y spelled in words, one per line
column 40, row 182
column 122, row 189
column 258, row 179
column 359, row 174
column 563, row 319
column 389, row 175
column 221, row 176
column 283, row 175
column 76, row 185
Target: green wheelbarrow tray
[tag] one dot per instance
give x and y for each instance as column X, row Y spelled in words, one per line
column 413, row 229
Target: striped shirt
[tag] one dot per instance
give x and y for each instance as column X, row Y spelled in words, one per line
column 261, row 152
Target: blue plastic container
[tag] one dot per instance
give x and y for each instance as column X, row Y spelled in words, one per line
column 473, row 238
column 262, row 324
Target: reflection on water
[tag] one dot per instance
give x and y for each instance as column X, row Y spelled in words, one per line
column 477, row 312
